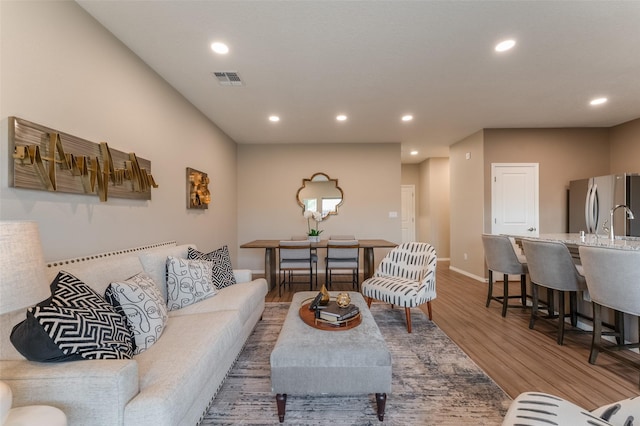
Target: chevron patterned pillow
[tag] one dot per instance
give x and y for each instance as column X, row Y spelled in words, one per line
column 222, row 271
column 74, row 323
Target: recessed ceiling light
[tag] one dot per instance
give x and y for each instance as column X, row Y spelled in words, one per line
column 274, row 118
column 598, row 101
column 414, row 153
column 220, row 48
column 407, row 117
column 505, row 45
column 341, row 117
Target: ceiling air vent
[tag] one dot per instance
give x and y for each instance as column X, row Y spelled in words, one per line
column 228, row 78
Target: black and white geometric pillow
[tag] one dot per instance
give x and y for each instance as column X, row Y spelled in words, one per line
column 222, row 271
column 188, row 282
column 140, row 301
column 74, row 323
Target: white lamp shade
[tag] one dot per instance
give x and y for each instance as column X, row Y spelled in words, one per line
column 22, row 269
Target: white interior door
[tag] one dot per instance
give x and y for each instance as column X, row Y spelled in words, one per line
column 514, row 198
column 408, row 213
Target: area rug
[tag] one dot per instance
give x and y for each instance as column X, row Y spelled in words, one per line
column 433, row 382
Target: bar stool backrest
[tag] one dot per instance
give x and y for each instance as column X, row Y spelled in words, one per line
column 501, row 256
column 550, row 265
column 613, row 277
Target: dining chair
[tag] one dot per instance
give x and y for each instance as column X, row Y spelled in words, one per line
column 295, row 257
column 550, row 265
column 342, row 237
column 406, row 277
column 314, row 252
column 343, row 258
column 501, row 257
column 613, row 281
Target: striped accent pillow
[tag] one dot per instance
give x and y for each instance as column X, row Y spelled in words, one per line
column 74, row 323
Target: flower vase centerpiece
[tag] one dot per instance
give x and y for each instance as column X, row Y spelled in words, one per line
column 313, row 233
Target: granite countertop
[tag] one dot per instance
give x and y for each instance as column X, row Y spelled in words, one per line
column 622, row 243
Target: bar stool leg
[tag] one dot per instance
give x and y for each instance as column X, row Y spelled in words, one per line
column 597, row 333
column 560, row 317
column 490, row 291
column 505, row 300
column 534, row 304
column 523, row 289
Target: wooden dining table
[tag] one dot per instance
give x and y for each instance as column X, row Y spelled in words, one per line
column 270, row 247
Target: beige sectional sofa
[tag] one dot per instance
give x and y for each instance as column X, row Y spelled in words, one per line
column 171, row 383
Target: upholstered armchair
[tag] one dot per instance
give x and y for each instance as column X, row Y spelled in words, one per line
column 406, row 277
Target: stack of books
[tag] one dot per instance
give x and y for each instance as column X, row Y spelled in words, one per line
column 334, row 313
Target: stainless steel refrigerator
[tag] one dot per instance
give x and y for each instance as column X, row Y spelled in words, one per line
column 591, row 200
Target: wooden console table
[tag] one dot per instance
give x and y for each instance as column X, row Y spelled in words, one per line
column 270, row 247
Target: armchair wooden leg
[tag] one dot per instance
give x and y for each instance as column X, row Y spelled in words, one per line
column 369, row 300
column 429, row 310
column 407, row 312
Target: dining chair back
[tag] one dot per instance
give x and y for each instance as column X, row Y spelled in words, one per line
column 551, row 266
column 501, row 257
column 343, row 256
column 295, row 257
column 342, row 237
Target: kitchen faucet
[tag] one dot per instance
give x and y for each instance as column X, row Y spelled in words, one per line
column 612, row 237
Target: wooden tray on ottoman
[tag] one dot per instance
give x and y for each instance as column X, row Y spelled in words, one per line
column 309, row 318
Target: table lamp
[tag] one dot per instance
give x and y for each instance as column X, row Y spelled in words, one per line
column 22, row 275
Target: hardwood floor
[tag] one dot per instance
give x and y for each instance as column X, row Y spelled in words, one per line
column 516, row 358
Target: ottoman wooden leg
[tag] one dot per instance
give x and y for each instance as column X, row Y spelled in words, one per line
column 381, row 400
column 281, row 400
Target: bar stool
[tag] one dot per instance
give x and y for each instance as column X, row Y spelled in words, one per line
column 502, row 258
column 613, row 280
column 551, row 265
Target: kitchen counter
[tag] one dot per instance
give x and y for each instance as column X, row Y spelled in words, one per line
column 574, row 240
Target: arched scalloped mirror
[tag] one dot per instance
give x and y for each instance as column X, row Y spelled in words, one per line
column 320, row 193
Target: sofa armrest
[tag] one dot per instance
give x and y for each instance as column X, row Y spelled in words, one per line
column 93, row 389
column 242, row 275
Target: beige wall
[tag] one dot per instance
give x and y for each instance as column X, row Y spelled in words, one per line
column 467, row 204
column 625, row 147
column 433, row 212
column 60, row 68
column 269, row 177
column 562, row 154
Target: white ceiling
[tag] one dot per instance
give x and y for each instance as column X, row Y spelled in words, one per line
column 308, row 61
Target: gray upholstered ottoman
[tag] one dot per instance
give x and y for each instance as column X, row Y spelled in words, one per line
column 308, row 361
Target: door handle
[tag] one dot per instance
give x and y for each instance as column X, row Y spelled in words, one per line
column 532, row 229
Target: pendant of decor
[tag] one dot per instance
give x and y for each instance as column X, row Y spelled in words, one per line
column 325, row 296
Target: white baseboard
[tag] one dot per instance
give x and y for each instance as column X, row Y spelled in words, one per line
column 468, row 274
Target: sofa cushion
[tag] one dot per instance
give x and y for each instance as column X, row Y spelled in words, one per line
column 222, row 271
column 139, row 300
column 181, row 365
column 188, row 282
column 74, row 323
column 154, row 263
column 245, row 298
